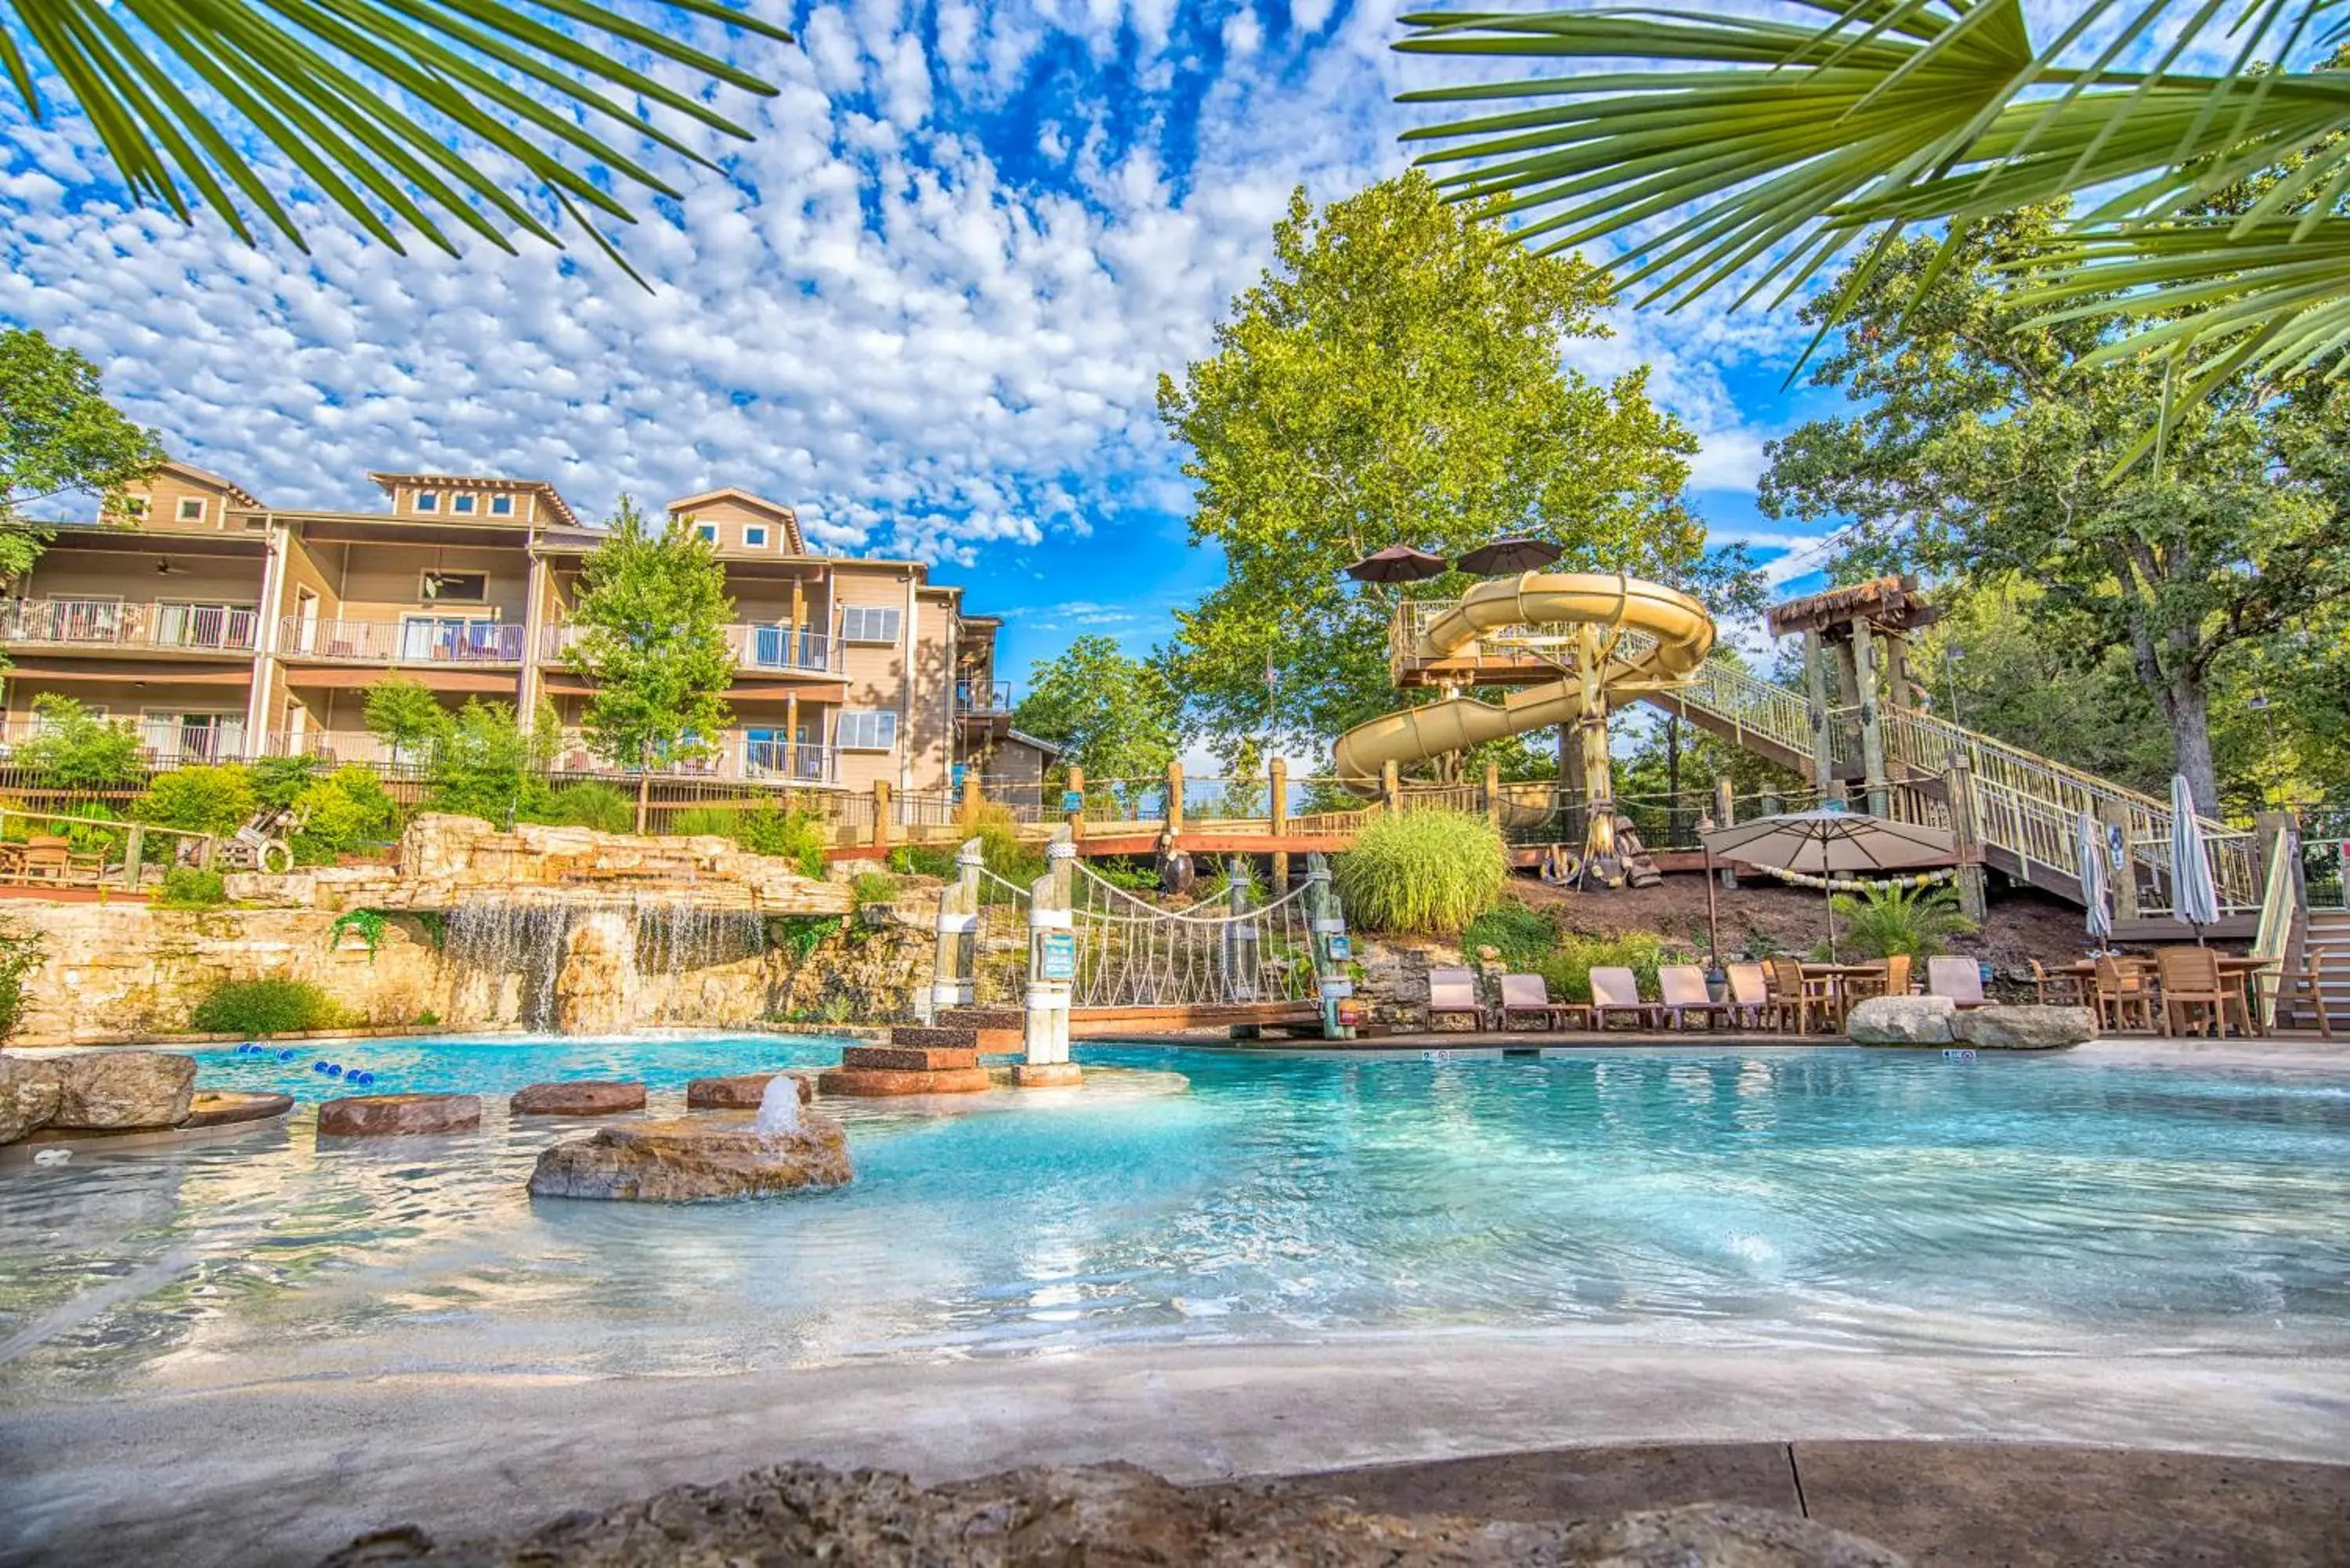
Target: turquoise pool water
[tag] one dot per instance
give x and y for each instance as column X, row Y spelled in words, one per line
column 1841, row 1198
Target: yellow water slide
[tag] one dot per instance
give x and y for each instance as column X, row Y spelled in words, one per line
column 1584, row 615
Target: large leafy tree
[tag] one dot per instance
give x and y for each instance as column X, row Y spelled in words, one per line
column 1989, row 447
column 1751, row 149
column 1116, row 717
column 58, row 437
column 401, row 114
column 1396, row 377
column 653, row 615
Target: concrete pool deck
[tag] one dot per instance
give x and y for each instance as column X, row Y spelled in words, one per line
column 281, row 1472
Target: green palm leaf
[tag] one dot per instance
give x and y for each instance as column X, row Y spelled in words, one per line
column 1764, row 148
column 397, row 110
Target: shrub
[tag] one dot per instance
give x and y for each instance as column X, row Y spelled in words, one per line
column 792, row 835
column 1424, row 873
column 876, row 887
column 192, row 887
column 1567, row 969
column 368, row 924
column 90, row 828
column 590, row 804
column 1889, row 918
column 22, row 949
column 279, row 782
column 927, row 860
column 76, row 749
column 487, row 766
column 348, row 810
column 1523, row 936
column 207, row 799
column 258, row 1007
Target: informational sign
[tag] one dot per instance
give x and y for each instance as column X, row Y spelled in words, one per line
column 1437, row 1057
column 1342, row 947
column 1056, row 957
column 2116, row 849
column 1959, row 1054
column 1338, row 988
column 957, row 777
column 1073, row 800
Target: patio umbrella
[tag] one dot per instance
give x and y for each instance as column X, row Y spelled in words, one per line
column 2193, row 898
column 1399, row 563
column 1504, row 557
column 2089, row 846
column 1824, row 844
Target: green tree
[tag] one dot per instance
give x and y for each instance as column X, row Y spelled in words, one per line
column 1114, row 716
column 58, row 437
column 211, row 798
column 488, row 765
column 1395, row 377
column 653, row 615
column 73, row 748
column 499, row 90
column 404, row 714
column 1761, row 147
column 1992, row 446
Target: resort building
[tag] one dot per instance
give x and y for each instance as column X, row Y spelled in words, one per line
column 226, row 629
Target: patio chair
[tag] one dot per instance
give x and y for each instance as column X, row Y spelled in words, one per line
column 1796, row 999
column 1891, row 978
column 1960, row 979
column 1749, row 995
column 1615, row 989
column 1452, row 991
column 1529, row 994
column 2193, row 989
column 2057, row 988
column 2292, row 984
column 48, row 859
column 2123, row 992
column 1684, row 986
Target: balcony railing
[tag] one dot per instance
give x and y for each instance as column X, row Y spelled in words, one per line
column 983, row 696
column 740, row 756
column 116, row 623
column 755, row 648
column 164, row 741
column 417, row 639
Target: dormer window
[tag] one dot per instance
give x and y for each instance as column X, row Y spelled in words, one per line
column 428, row 500
column 709, row 531
column 754, row 537
column 500, row 505
column 461, row 503
column 191, row 509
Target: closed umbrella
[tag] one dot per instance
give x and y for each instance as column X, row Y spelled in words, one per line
column 1824, row 844
column 2193, row 898
column 1505, row 556
column 1399, row 563
column 2089, row 845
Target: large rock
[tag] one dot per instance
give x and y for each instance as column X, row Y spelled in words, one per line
column 687, row 1160
column 104, row 1091
column 739, row 1092
column 1901, row 1021
column 581, row 1097
column 1104, row 1516
column 885, row 1082
column 397, row 1116
column 29, row 1095
column 2029, row 1026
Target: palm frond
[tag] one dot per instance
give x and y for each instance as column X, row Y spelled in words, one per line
column 396, row 110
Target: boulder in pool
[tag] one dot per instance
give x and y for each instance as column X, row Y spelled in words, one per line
column 2028, row 1026
column 398, row 1116
column 29, row 1095
column 581, row 1098
column 113, row 1091
column 1901, row 1021
column 742, row 1091
column 689, row 1160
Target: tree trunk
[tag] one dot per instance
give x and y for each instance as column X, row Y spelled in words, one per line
column 2189, row 710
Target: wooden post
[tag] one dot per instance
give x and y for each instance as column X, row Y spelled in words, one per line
column 1872, row 728
column 644, row 798
column 1815, row 695
column 792, row 734
column 1277, row 814
column 880, row 814
column 1959, row 787
column 970, row 796
column 1725, row 812
column 952, row 965
column 134, row 850
column 1391, row 787
column 1174, row 799
column 2113, row 815
column 1077, row 816
column 1493, row 793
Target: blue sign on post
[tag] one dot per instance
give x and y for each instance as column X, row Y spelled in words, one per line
column 1056, row 958
column 1073, row 800
column 1342, row 947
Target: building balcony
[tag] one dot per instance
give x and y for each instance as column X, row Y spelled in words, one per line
column 757, row 648
column 165, row 741
column 471, row 643
column 743, row 756
column 96, row 623
column 984, row 697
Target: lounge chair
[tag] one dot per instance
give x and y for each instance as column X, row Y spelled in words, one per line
column 1615, row 989
column 1796, row 999
column 2123, row 992
column 1684, row 986
column 1525, row 995
column 1452, row 991
column 2193, row 990
column 1749, row 995
column 1960, row 979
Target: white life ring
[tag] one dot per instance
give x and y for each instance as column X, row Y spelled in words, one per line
column 279, row 847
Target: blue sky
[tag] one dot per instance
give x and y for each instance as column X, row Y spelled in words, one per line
column 929, row 304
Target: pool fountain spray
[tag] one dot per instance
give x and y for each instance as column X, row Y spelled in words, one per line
column 779, row 1108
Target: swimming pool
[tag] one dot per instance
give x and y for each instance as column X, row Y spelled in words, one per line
column 1868, row 1200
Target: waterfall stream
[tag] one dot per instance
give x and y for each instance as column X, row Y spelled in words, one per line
column 537, row 941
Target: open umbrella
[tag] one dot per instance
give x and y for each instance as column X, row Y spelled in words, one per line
column 2089, row 849
column 2193, row 898
column 1504, row 557
column 1824, row 844
column 1399, row 563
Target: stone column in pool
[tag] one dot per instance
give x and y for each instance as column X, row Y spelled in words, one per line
column 955, row 967
column 1052, row 971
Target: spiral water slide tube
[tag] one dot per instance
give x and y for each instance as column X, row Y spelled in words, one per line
column 1679, row 633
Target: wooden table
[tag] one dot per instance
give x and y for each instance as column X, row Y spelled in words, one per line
column 2235, row 969
column 1836, row 974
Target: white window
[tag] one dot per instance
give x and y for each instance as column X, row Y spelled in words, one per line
column 428, row 500
column 754, row 537
column 191, row 509
column 862, row 730
column 709, row 531
column 462, row 503
column 500, row 505
column 868, row 623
